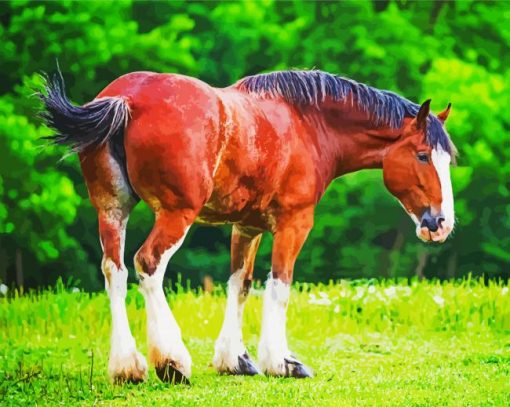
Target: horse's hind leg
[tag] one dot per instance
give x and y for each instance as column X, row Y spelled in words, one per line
column 113, row 200
column 126, row 364
column 166, row 349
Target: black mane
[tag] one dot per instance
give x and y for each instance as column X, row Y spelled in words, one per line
column 312, row 87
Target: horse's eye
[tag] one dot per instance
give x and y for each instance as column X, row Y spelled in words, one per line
column 423, row 157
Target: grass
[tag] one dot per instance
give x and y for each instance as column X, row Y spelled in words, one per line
column 386, row 343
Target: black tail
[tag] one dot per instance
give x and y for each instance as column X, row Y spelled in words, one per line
column 79, row 127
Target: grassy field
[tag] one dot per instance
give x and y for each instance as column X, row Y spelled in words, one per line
column 386, row 343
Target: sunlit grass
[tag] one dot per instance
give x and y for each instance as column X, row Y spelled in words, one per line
column 375, row 343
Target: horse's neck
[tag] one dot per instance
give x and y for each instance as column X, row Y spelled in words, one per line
column 359, row 151
column 357, row 143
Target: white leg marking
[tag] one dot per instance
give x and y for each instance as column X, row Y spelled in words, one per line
column 273, row 347
column 125, row 361
column 441, row 160
column 163, row 332
column 229, row 345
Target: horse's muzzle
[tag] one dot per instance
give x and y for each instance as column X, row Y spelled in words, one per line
column 432, row 228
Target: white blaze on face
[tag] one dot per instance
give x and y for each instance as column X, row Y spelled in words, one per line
column 441, row 160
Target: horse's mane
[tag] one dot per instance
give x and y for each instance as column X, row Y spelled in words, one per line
column 313, row 87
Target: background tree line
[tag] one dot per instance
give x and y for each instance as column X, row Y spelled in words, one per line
column 447, row 51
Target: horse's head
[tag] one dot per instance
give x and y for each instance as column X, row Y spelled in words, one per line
column 418, row 175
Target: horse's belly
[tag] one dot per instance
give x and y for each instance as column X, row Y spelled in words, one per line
column 241, row 205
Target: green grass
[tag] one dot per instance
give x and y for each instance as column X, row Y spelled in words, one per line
column 419, row 343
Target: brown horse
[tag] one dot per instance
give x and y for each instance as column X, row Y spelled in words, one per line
column 258, row 154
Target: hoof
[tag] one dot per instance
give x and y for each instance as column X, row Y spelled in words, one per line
column 294, row 368
column 130, row 369
column 246, row 366
column 128, row 377
column 227, row 363
column 168, row 373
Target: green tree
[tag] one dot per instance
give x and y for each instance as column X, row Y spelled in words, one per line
column 449, row 51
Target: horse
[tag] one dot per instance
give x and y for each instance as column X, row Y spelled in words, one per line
column 259, row 155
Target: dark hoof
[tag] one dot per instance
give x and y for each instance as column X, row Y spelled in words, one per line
column 294, row 368
column 169, row 374
column 246, row 366
column 131, row 379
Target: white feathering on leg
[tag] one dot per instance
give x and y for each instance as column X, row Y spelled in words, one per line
column 125, row 361
column 273, row 348
column 163, row 332
column 229, row 345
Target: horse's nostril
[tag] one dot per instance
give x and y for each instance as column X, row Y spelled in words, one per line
column 433, row 227
column 432, row 223
column 429, row 223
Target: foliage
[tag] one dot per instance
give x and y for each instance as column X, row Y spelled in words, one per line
column 449, row 51
column 399, row 343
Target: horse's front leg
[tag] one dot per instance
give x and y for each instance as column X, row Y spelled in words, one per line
column 230, row 354
column 275, row 358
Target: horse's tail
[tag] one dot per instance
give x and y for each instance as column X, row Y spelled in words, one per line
column 80, row 127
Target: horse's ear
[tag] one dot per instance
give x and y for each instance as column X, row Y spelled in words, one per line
column 423, row 113
column 444, row 114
